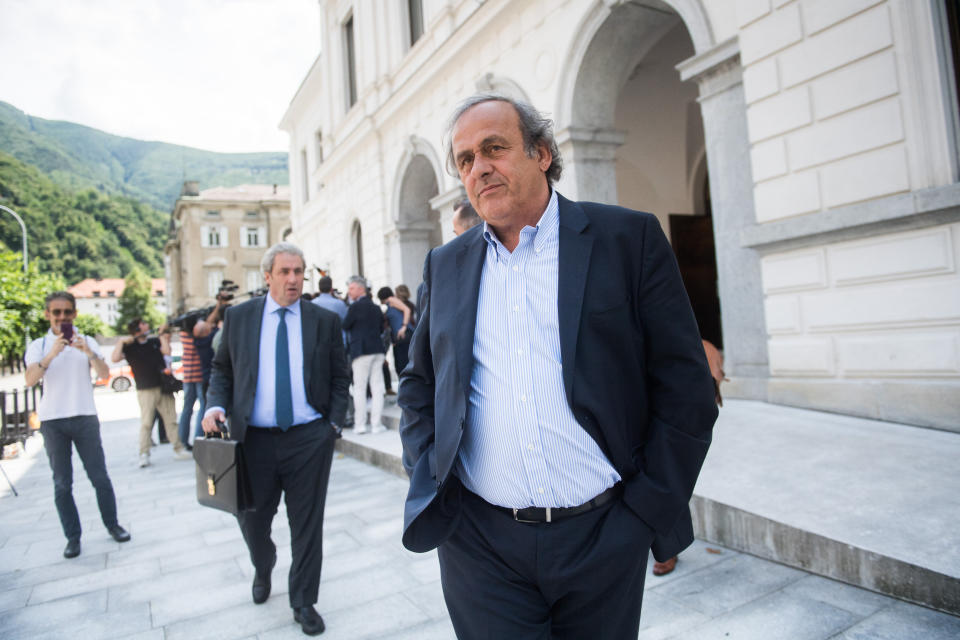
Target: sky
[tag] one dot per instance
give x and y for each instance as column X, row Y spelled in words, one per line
column 212, row 74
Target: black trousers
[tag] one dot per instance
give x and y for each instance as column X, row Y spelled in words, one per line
column 297, row 463
column 581, row 577
column 59, row 438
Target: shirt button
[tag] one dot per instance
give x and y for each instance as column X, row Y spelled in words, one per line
column 530, row 447
column 540, row 490
column 520, row 352
column 516, row 268
column 523, row 397
column 516, row 307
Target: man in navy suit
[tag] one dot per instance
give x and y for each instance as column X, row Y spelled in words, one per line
column 558, row 405
column 281, row 376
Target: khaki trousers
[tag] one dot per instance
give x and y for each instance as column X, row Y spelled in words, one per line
column 153, row 401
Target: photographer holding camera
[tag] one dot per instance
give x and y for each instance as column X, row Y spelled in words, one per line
column 145, row 355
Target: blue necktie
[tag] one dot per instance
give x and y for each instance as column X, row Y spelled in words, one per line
column 282, row 366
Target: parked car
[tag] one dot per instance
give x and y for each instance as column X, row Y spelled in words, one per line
column 121, row 377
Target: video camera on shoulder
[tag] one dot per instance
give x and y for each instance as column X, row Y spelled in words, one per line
column 226, row 294
column 228, row 289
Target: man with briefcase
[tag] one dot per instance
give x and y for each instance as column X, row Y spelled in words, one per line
column 281, row 377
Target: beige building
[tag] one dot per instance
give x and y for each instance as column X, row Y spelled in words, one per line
column 221, row 234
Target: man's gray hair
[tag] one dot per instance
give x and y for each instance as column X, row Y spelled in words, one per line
column 266, row 265
column 536, row 129
column 358, row 279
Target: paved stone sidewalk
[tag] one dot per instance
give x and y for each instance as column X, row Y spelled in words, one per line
column 186, row 574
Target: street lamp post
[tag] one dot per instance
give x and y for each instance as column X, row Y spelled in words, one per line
column 23, row 230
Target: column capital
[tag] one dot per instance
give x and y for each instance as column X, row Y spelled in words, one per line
column 591, row 143
column 714, row 70
column 447, row 198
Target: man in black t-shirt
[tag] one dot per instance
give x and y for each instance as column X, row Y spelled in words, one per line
column 145, row 357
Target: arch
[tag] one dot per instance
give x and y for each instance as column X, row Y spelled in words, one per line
column 356, row 248
column 690, row 12
column 490, row 83
column 414, row 146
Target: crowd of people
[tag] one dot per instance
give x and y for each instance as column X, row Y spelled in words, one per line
column 557, row 398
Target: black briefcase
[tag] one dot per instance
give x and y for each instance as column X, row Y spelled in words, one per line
column 222, row 481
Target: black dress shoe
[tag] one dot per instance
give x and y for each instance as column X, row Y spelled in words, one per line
column 261, row 584
column 310, row 621
column 119, row 533
column 72, row 550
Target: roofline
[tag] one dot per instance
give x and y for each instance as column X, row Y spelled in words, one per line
column 293, row 100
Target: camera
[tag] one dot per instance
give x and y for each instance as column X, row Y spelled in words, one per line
column 228, row 289
column 225, row 295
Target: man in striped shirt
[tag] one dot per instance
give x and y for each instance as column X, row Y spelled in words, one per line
column 194, row 328
column 558, row 405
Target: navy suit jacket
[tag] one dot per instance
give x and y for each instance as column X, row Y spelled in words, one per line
column 363, row 324
column 634, row 370
column 233, row 381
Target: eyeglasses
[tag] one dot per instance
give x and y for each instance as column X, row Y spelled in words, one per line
column 56, row 313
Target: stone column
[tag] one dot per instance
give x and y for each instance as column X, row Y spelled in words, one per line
column 589, row 157
column 717, row 72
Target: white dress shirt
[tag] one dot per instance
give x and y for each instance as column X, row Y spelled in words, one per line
column 265, row 400
column 522, row 445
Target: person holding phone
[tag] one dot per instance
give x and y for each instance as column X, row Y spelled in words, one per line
column 68, row 417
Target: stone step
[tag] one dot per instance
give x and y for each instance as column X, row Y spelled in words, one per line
column 869, row 503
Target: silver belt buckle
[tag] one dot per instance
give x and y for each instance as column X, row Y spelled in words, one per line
column 515, row 517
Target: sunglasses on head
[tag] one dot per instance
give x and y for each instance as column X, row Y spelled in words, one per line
column 56, row 313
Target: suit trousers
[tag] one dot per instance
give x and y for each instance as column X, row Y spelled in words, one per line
column 297, row 463
column 580, row 577
column 59, row 438
column 367, row 368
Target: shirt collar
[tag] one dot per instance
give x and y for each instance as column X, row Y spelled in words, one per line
column 272, row 306
column 548, row 223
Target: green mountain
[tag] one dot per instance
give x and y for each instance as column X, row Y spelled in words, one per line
column 79, row 157
column 82, row 234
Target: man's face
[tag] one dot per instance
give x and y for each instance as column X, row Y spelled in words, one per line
column 356, row 290
column 58, row 312
column 506, row 186
column 286, row 279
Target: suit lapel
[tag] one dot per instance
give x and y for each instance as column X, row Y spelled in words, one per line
column 574, row 259
column 469, row 267
column 253, row 337
column 308, row 339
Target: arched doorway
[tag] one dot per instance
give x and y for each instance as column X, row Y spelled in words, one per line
column 633, row 132
column 417, row 223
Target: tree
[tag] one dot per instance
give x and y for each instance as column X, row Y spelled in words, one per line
column 22, row 303
column 136, row 301
column 91, row 325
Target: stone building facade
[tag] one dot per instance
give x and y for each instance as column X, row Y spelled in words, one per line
column 801, row 155
column 221, row 234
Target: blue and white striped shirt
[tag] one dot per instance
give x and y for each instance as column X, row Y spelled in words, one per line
column 522, row 445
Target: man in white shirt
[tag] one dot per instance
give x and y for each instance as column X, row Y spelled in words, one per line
column 68, row 416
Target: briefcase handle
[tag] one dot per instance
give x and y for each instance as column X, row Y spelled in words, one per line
column 222, row 431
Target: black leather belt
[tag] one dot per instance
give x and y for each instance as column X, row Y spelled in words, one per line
column 276, row 430
column 552, row 514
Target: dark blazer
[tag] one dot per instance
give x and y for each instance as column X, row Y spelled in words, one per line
column 634, row 369
column 233, row 381
column 363, row 325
